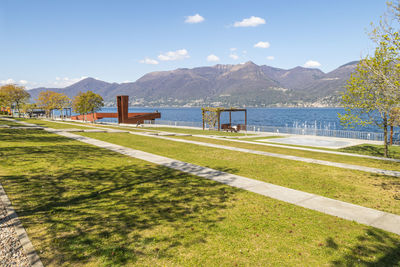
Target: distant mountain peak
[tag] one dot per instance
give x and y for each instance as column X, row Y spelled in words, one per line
column 228, row 84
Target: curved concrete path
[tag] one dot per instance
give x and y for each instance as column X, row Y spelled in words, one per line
column 276, row 155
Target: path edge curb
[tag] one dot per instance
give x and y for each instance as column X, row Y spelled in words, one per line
column 22, row 236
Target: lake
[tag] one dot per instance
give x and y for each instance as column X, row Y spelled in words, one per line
column 316, row 118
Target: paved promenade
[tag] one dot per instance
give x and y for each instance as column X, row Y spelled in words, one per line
column 269, row 154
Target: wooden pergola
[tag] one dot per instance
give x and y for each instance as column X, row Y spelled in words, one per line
column 217, row 115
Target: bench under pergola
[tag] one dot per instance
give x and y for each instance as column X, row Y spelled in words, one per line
column 212, row 116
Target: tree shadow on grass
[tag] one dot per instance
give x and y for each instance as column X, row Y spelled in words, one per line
column 29, row 135
column 116, row 214
column 374, row 248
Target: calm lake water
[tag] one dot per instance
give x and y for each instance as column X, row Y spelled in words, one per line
column 320, row 118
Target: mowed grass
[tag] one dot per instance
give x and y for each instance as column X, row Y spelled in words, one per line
column 55, row 125
column 363, row 149
column 362, row 188
column 195, row 131
column 373, row 150
column 87, row 206
column 381, row 164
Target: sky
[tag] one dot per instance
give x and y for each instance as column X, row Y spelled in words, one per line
column 56, row 43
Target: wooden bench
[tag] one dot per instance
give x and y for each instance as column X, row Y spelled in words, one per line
column 227, row 127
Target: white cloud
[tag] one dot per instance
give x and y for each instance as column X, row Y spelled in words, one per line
column 61, row 82
column 8, row 81
column 23, row 82
column 270, row 57
column 250, row 22
column 233, row 49
column 149, row 61
column 194, row 19
column 234, row 56
column 174, row 55
column 212, row 58
column 312, row 64
column 262, row 45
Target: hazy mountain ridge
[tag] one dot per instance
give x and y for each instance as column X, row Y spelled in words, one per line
column 244, row 84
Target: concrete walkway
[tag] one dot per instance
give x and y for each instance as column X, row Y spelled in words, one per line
column 379, row 219
column 269, row 154
column 248, row 142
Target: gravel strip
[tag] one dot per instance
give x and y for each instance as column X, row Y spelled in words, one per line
column 11, row 251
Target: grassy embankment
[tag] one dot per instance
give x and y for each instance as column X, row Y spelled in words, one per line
column 87, row 206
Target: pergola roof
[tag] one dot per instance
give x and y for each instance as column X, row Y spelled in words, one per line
column 217, row 111
column 212, row 109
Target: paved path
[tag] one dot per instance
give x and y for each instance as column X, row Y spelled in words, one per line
column 270, row 154
column 379, row 219
column 254, row 143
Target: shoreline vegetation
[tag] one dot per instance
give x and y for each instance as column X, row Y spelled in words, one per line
column 128, row 212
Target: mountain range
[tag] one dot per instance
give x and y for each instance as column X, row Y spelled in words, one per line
column 245, row 84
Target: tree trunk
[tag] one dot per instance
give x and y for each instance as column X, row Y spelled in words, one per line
column 385, row 136
column 17, row 107
column 391, row 134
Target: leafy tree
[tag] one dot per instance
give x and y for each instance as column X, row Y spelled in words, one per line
column 87, row 102
column 61, row 101
column 28, row 107
column 50, row 100
column 45, row 101
column 13, row 96
column 373, row 90
column 394, row 121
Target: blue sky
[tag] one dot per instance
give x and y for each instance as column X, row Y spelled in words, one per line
column 55, row 43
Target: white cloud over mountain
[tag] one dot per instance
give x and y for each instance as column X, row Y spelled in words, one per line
column 149, row 61
column 212, row 58
column 174, row 55
column 194, row 19
column 250, row 22
column 262, row 45
column 312, row 64
column 234, row 56
column 270, row 57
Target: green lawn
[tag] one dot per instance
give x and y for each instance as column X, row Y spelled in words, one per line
column 366, row 189
column 87, row 206
column 195, row 131
column 363, row 149
column 388, row 165
column 54, row 125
